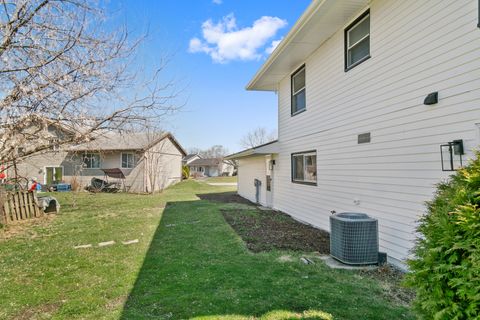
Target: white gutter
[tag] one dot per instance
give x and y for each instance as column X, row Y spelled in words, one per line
column 317, row 24
column 264, row 149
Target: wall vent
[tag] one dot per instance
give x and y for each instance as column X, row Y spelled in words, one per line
column 364, row 138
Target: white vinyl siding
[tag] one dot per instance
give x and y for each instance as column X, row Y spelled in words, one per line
column 249, row 169
column 417, row 47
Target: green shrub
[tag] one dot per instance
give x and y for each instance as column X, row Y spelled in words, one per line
column 446, row 269
column 185, row 172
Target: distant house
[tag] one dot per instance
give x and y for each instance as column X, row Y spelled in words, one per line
column 210, row 167
column 189, row 158
column 149, row 162
column 378, row 101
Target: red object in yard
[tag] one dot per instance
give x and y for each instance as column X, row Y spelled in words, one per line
column 33, row 187
column 3, row 173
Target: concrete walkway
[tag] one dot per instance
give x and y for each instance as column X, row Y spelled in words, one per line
column 223, row 184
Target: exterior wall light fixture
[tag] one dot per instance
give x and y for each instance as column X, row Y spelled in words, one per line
column 451, row 154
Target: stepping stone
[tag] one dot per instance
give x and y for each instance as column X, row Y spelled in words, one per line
column 306, row 260
column 107, row 243
column 83, row 246
column 130, row 242
column 170, row 225
column 285, row 258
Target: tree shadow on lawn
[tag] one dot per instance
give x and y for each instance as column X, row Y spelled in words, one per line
column 197, row 267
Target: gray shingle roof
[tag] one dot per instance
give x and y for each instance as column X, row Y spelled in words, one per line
column 189, row 156
column 125, row 141
column 206, row 162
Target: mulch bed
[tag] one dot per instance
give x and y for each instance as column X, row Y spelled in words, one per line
column 224, row 197
column 266, row 230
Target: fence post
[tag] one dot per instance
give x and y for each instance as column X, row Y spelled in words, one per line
column 3, row 198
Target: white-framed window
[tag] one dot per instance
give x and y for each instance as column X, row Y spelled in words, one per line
column 128, row 160
column 304, row 167
column 357, row 41
column 298, row 91
column 91, row 160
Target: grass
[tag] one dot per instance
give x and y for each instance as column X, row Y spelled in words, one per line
column 222, row 179
column 188, row 263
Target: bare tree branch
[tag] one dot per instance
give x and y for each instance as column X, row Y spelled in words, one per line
column 60, row 65
column 257, row 137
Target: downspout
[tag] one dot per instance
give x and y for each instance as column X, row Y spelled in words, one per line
column 145, row 172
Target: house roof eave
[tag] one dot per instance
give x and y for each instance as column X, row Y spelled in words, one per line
column 318, row 23
column 264, row 149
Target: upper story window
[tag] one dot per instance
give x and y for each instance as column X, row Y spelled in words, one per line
column 91, row 160
column 298, row 91
column 357, row 41
column 128, row 160
column 304, row 167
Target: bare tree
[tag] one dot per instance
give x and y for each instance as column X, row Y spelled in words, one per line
column 257, row 137
column 195, row 151
column 216, row 151
column 60, row 65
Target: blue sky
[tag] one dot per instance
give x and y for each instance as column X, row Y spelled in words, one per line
column 213, row 68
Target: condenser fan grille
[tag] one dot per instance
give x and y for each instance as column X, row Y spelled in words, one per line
column 354, row 238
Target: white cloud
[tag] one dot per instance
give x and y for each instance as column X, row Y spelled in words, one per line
column 273, row 45
column 224, row 41
column 217, row 1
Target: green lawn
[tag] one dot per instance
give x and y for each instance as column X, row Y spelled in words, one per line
column 188, row 263
column 222, row 179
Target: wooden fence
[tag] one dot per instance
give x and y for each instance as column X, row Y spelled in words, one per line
column 18, row 205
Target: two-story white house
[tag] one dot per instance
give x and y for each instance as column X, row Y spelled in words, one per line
column 376, row 100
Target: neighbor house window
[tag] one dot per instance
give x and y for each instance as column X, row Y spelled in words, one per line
column 357, row 41
column 128, row 160
column 298, row 91
column 304, row 167
column 54, row 144
column 91, row 160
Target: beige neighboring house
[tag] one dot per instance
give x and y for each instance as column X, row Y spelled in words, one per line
column 210, row 167
column 149, row 162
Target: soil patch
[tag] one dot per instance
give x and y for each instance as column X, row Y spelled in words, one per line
column 224, row 197
column 267, row 230
column 44, row 311
column 25, row 228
